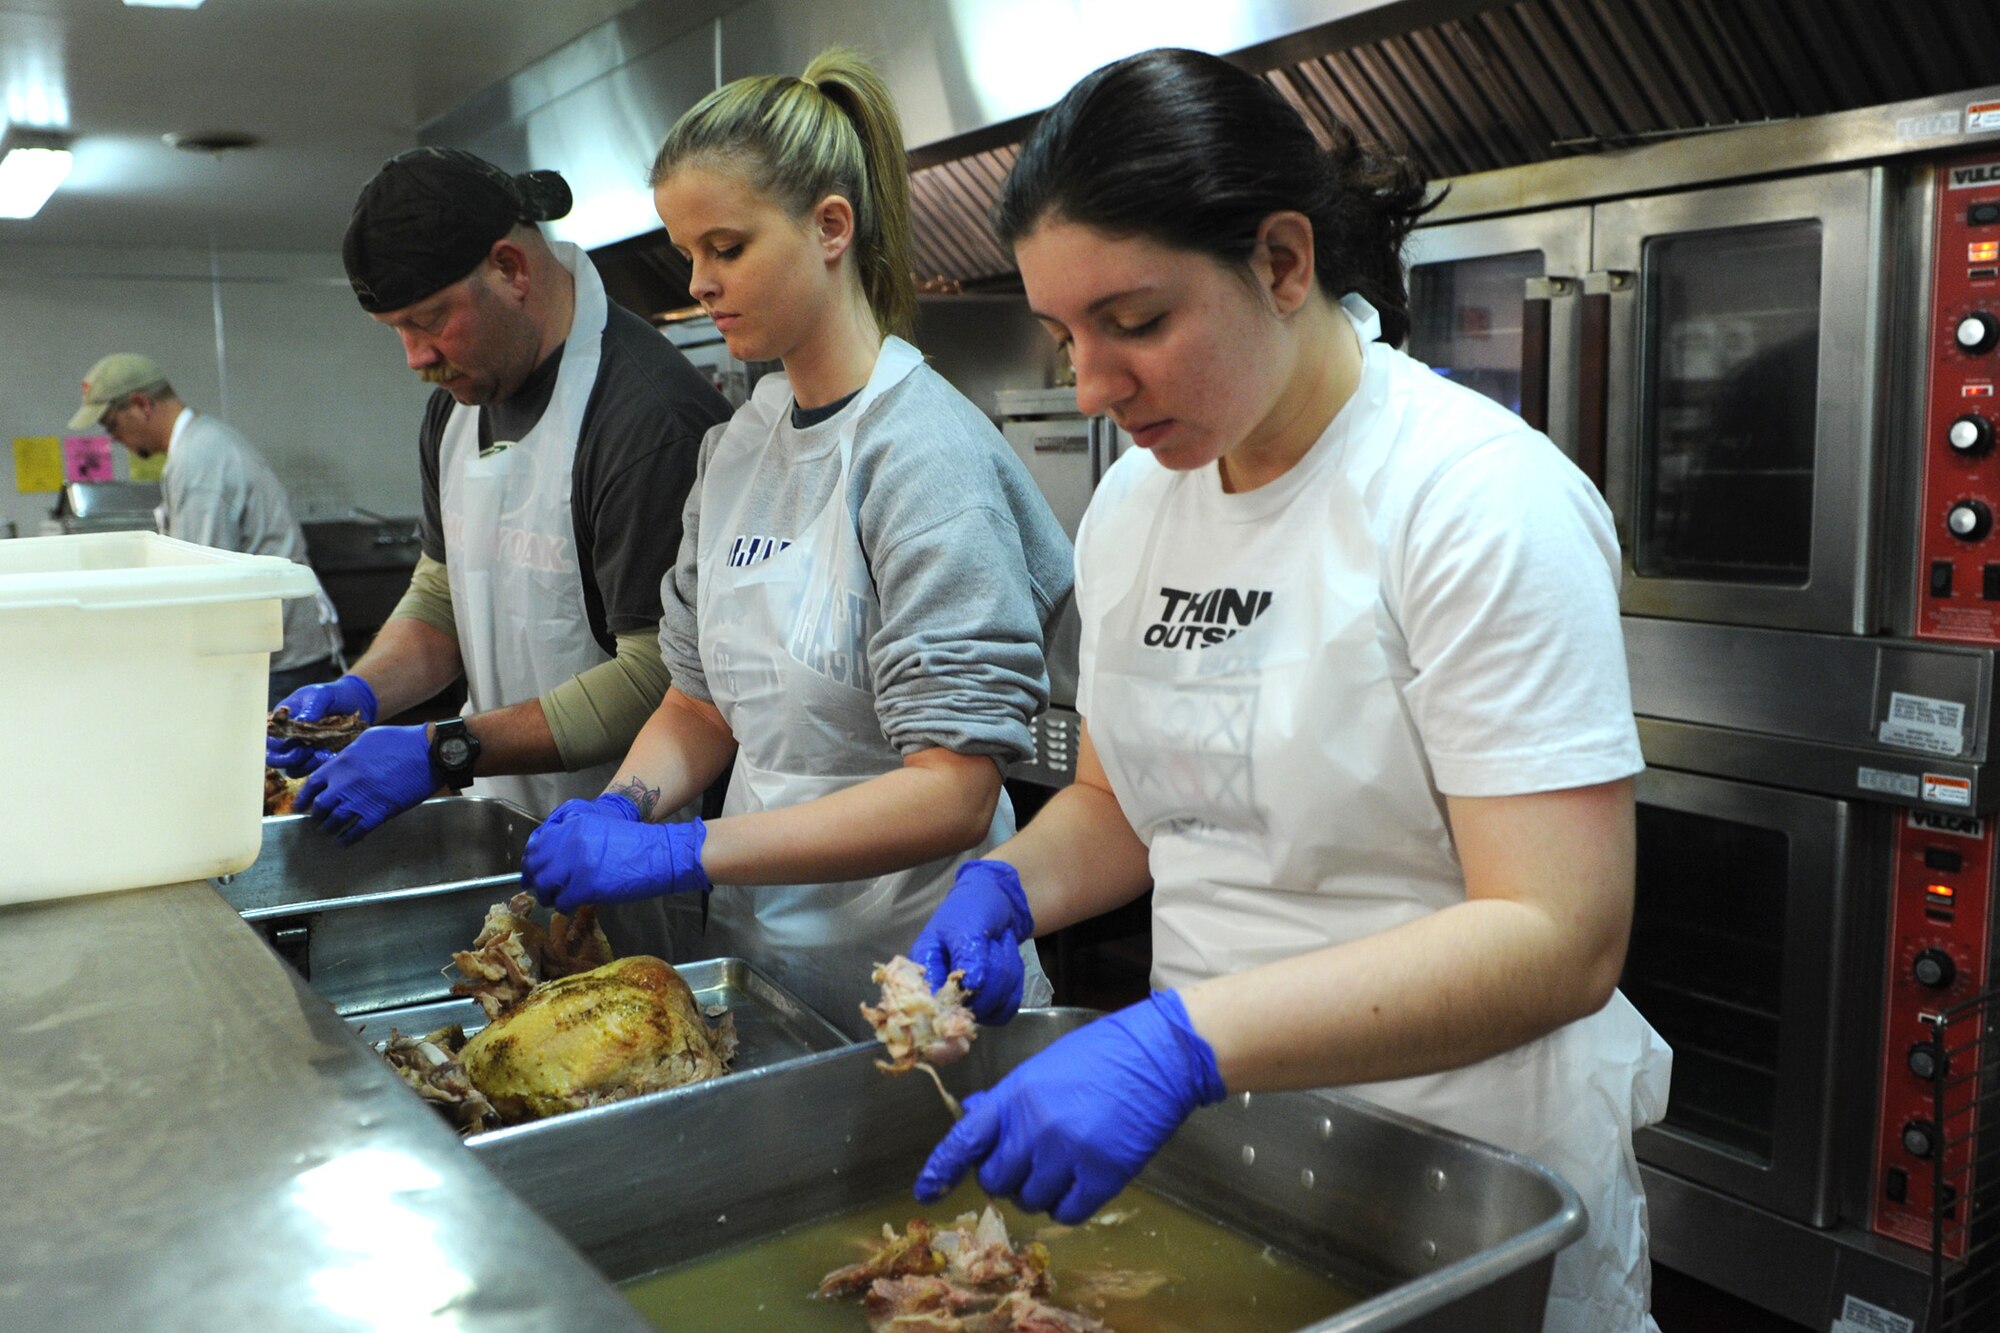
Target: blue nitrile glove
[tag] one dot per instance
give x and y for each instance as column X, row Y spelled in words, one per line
column 1066, row 1130
column 603, row 852
column 979, row 927
column 611, row 803
column 383, row 773
column 310, row 703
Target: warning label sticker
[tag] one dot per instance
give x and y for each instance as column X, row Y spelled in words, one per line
column 1982, row 116
column 1942, row 790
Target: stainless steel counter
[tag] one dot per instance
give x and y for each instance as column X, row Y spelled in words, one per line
column 191, row 1139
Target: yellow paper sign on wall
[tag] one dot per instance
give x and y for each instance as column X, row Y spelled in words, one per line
column 38, row 464
column 146, row 468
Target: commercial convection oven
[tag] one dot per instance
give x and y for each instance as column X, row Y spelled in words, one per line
column 1775, row 350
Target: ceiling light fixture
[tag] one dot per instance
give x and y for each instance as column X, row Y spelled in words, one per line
column 163, row 4
column 32, row 164
column 213, row 142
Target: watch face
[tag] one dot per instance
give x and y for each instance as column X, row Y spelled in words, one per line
column 454, row 752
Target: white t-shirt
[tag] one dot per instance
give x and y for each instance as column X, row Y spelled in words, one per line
column 1498, row 589
column 1284, row 684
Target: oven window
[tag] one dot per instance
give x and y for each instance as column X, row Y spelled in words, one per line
column 1465, row 321
column 1706, row 968
column 1731, row 387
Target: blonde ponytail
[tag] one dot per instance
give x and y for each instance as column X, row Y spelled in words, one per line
column 833, row 131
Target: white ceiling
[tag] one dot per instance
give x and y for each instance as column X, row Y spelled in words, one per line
column 332, row 87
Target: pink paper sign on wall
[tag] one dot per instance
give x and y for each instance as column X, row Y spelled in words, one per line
column 87, row 457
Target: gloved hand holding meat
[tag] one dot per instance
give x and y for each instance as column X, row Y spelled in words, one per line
column 1065, row 1130
column 383, row 773
column 315, row 722
column 977, row 932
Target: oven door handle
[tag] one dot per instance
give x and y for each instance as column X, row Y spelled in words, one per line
column 1593, row 390
column 1537, row 324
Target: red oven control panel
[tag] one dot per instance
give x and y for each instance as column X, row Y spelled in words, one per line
column 1958, row 572
column 1940, row 951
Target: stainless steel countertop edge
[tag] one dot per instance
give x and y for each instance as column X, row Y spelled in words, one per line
column 195, row 1140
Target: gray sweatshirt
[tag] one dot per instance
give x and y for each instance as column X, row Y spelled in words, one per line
column 969, row 563
column 218, row 491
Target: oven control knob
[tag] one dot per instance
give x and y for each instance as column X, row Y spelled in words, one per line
column 1927, row 1061
column 1969, row 520
column 1934, row 968
column 1919, row 1138
column 1970, row 435
column 1977, row 332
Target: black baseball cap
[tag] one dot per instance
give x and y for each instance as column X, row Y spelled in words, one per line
column 430, row 216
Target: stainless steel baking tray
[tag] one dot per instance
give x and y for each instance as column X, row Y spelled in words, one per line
column 771, row 1027
column 455, row 842
column 373, row 925
column 1444, row 1233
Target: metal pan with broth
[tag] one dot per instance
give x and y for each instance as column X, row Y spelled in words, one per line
column 1209, row 1277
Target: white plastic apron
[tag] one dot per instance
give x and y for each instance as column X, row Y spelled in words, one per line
column 784, row 644
column 517, row 592
column 1283, row 794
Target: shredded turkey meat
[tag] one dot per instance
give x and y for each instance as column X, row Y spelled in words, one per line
column 430, row 1064
column 915, row 1024
column 967, row 1278
column 280, row 792
column 512, row 954
column 336, row 731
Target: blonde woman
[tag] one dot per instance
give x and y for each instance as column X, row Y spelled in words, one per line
column 856, row 619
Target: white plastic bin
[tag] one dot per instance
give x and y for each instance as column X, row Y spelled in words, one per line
column 133, row 670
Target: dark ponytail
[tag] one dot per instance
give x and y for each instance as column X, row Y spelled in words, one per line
column 1190, row 151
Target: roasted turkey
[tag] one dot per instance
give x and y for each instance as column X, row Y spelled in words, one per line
column 628, row 1027
column 569, row 1027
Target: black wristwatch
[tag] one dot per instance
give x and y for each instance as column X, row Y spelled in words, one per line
column 454, row 750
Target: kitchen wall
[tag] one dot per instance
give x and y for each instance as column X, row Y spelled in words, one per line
column 983, row 344
column 299, row 368
column 317, row 386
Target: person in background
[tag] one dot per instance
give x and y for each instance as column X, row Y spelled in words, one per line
column 555, row 457
column 216, row 490
column 857, row 616
column 1353, row 687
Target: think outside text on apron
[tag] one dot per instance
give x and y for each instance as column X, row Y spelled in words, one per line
column 517, row 591
column 784, row 645
column 1284, row 795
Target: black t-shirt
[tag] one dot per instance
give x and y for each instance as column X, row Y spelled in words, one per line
column 635, row 462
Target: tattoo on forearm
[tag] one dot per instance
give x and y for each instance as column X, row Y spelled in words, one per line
column 639, row 794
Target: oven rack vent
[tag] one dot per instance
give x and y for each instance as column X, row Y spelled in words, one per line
column 1965, row 1167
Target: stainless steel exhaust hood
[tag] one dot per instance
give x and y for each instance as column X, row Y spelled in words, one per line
column 1465, row 85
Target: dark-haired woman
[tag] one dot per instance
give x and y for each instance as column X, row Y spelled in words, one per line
column 855, row 622
column 1353, row 687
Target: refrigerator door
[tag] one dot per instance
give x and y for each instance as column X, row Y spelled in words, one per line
column 1066, row 453
column 1058, row 453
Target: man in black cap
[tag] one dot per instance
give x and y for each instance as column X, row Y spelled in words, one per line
column 556, row 458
